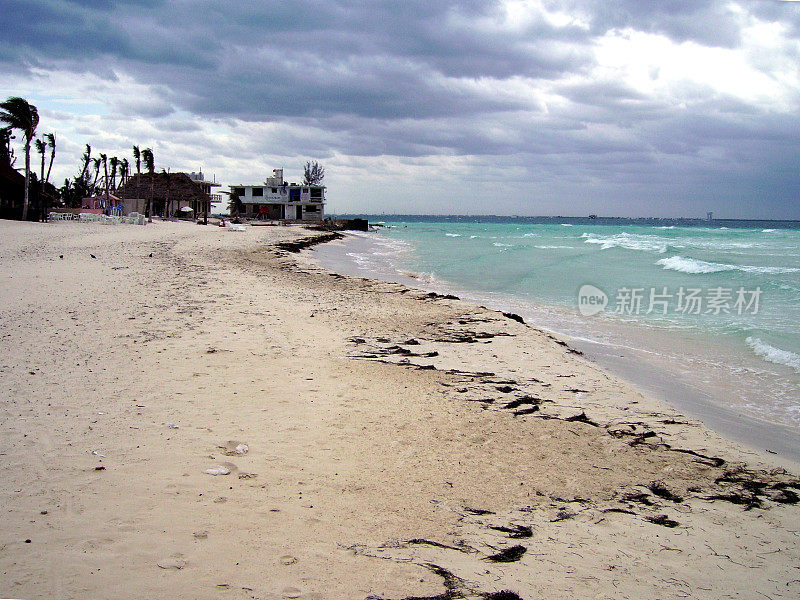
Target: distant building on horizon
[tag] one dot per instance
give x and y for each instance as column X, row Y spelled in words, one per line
column 277, row 200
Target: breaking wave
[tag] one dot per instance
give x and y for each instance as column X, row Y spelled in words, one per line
column 773, row 354
column 695, row 266
column 628, row 241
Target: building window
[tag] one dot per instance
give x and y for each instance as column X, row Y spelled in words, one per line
column 311, row 209
column 316, row 193
column 273, row 190
column 257, row 191
column 239, row 191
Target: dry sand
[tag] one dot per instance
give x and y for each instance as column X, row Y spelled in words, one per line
column 375, row 466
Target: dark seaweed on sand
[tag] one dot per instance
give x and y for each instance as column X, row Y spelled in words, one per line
column 512, row 554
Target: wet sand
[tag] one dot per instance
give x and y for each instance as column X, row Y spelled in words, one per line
column 644, row 357
column 398, row 444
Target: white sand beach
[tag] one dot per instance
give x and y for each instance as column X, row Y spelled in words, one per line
column 380, row 442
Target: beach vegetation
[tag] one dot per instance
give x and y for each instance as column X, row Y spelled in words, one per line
column 313, row 173
column 20, row 114
column 235, row 205
column 96, row 162
column 51, row 142
column 114, row 162
column 149, row 163
column 41, row 148
column 124, row 169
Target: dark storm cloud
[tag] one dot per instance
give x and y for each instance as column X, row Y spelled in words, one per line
column 707, row 22
column 267, row 60
column 421, row 78
column 270, row 59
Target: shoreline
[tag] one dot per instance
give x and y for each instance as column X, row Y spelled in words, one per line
column 774, row 442
column 399, row 443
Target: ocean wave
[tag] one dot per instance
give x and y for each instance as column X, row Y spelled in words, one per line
column 550, row 247
column 361, row 260
column 502, row 245
column 773, row 354
column 453, row 234
column 566, row 225
column 692, row 265
column 424, row 277
column 695, row 266
column 768, row 230
column 647, row 243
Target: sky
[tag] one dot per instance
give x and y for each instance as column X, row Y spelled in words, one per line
column 532, row 107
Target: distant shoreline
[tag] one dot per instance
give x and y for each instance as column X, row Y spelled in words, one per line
column 599, row 220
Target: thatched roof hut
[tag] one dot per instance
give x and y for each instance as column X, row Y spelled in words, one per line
column 167, row 192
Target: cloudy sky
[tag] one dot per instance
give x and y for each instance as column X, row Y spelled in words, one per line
column 533, row 107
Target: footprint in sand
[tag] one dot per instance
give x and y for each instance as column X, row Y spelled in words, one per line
column 291, row 592
column 175, row 562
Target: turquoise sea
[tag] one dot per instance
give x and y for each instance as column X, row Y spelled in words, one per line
column 714, row 305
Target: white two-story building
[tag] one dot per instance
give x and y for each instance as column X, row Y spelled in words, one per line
column 280, row 201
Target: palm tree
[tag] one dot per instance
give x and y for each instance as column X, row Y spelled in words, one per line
column 150, row 165
column 87, row 157
column 104, row 158
column 20, row 114
column 51, row 141
column 113, row 161
column 96, row 164
column 123, row 171
column 6, row 153
column 137, row 156
column 234, row 205
column 41, row 148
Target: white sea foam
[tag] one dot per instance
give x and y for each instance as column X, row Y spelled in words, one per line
column 423, row 277
column 692, row 265
column 549, row 247
column 684, row 264
column 566, row 224
column 501, row 245
column 453, row 234
column 648, row 243
column 773, row 354
column 361, row 261
column 768, row 230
